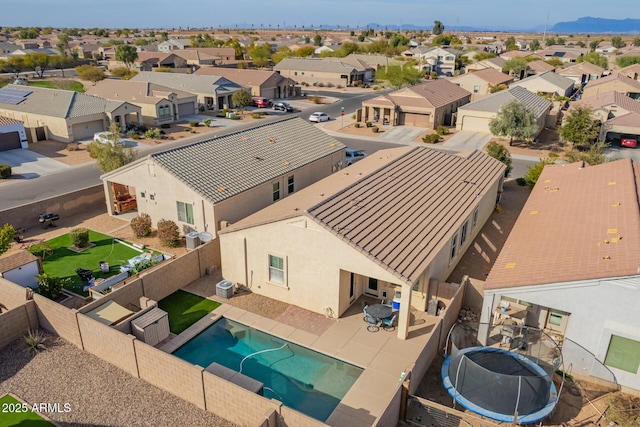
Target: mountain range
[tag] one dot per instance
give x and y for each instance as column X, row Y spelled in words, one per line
column 589, row 24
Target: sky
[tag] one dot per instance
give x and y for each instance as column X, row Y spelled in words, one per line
column 355, row 13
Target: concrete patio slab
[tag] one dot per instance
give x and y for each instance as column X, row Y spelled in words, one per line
column 357, row 354
column 342, row 328
column 303, row 338
column 282, row 330
column 330, row 343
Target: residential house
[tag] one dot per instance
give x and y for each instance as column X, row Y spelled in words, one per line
column 441, row 60
column 611, row 83
column 495, row 46
column 581, row 73
column 427, row 105
column 12, row 134
column 477, row 115
column 214, row 92
column 522, row 45
column 325, row 71
column 63, row 115
column 323, row 247
column 268, row 84
column 570, row 267
column 158, row 104
column 512, row 54
column 482, row 82
column 547, row 83
column 206, row 185
column 375, row 61
column 617, row 112
column 174, row 44
column 202, row 56
column 538, row 67
column 632, row 71
column 606, row 48
column 565, row 53
column 20, row 267
column 6, row 48
column 320, row 50
column 495, row 63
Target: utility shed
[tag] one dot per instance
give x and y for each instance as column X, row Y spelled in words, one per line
column 152, row 327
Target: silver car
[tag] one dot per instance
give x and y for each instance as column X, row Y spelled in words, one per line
column 319, row 117
column 352, row 156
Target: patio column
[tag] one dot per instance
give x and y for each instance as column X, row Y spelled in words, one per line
column 108, row 193
column 405, row 310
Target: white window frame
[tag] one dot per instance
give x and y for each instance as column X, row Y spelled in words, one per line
column 476, row 88
column 183, row 215
column 291, row 186
column 273, row 279
column 275, row 191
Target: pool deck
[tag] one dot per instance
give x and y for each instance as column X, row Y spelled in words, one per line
column 381, row 354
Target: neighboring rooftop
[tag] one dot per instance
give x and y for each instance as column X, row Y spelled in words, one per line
column 187, row 82
column 608, row 99
column 429, row 94
column 489, row 75
column 580, row 222
column 15, row 259
column 493, row 103
column 135, row 92
column 618, row 78
column 581, row 68
column 328, row 65
column 561, row 82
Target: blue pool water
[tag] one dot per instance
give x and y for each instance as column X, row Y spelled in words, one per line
column 302, row 379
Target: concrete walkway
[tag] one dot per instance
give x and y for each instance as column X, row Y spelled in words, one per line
column 465, row 140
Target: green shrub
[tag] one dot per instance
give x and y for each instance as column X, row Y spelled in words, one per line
column 533, row 172
column 432, row 138
column 256, row 116
column 376, row 88
column 141, row 225
column 51, row 287
column 194, row 123
column 168, row 233
column 152, row 133
column 143, row 265
column 5, row 171
column 73, row 146
column 375, row 129
column 207, row 122
column 236, row 117
column 119, row 72
column 34, row 342
column 368, row 124
column 521, row 181
column 94, row 148
column 499, row 152
column 356, row 125
column 442, row 130
column 79, row 237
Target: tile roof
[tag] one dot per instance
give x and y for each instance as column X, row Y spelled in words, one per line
column 489, row 75
column 239, row 75
column 222, row 167
column 4, row 121
column 581, row 68
column 429, row 94
column 561, row 82
column 187, row 82
column 618, row 78
column 492, row 103
column 608, row 99
column 15, row 259
column 60, row 103
column 425, row 193
column 376, row 61
column 329, row 65
column 540, row 66
column 580, row 222
column 630, row 120
column 135, row 92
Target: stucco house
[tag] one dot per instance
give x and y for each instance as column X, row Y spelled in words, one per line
column 495, row 63
column 174, row 44
column 213, row 92
column 632, row 71
column 538, row 67
column 206, row 185
column 63, row 115
column 570, row 267
column 441, row 60
column 477, row 115
column 582, row 72
column 202, row 56
column 480, row 83
column 547, row 83
column 328, row 71
column 158, row 104
column 12, row 134
column 20, row 267
column 613, row 82
column 326, row 245
column 268, row 84
column 428, row 104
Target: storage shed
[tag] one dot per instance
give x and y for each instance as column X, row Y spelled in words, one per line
column 152, row 327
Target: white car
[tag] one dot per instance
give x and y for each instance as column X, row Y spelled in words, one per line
column 106, row 138
column 319, row 117
column 352, row 156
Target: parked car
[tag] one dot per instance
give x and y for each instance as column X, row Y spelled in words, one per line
column 106, row 138
column 352, row 156
column 260, row 102
column 282, row 106
column 319, row 117
column 628, row 142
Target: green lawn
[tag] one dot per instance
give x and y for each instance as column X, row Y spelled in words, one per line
column 185, row 309
column 64, row 262
column 13, row 418
column 58, row 84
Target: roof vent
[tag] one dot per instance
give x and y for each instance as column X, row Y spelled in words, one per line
column 220, row 189
column 285, row 163
column 257, row 158
column 244, row 138
column 606, row 257
column 272, row 140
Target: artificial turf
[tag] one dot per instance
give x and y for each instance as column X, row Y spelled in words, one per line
column 60, row 84
column 64, row 262
column 185, row 309
column 11, row 417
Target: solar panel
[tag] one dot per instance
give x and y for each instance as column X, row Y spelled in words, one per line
column 13, row 96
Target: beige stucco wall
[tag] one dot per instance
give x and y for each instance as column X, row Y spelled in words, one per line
column 312, row 77
column 538, row 85
column 469, row 81
column 56, row 127
column 613, row 85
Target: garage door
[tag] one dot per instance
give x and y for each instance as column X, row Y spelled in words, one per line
column 413, row 119
column 186, row 109
column 475, row 124
column 9, row 141
column 86, row 130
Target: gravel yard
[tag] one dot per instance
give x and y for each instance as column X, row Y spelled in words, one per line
column 99, row 393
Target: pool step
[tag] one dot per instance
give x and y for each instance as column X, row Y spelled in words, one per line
column 237, row 378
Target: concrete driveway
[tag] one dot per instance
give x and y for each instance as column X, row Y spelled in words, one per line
column 616, row 152
column 466, row 140
column 401, row 133
column 28, row 165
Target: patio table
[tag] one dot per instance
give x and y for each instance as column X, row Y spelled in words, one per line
column 379, row 311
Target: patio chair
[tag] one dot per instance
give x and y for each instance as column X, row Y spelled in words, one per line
column 85, row 275
column 387, row 324
column 373, row 324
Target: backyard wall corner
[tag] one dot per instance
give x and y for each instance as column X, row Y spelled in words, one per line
column 170, row 276
column 13, row 295
column 58, row 319
column 17, row 322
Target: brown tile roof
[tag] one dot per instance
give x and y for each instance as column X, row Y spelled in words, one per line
column 491, row 76
column 430, row 94
column 540, row 66
column 397, row 206
column 631, row 120
column 579, row 223
column 613, row 78
column 4, row 121
column 15, row 259
column 134, row 91
column 607, row 99
column 238, row 75
column 581, row 68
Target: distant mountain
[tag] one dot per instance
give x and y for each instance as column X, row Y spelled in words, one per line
column 597, row 25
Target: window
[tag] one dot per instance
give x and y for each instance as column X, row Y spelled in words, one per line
column 276, row 269
column 474, row 219
column 463, row 233
column 164, row 112
column 143, row 194
column 185, row 212
column 416, row 286
column 623, row 353
column 476, row 89
column 276, row 191
column 290, row 186
column 454, row 247
column 152, row 196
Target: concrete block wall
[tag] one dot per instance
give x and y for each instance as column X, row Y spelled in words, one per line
column 16, row 322
column 173, row 375
column 26, row 216
column 173, row 275
column 12, row 295
column 291, row 418
column 209, row 254
column 450, row 315
column 128, row 294
column 391, row 415
column 425, row 358
column 58, row 319
column 108, row 344
column 235, row 403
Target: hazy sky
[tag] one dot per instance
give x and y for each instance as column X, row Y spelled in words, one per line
column 213, row 13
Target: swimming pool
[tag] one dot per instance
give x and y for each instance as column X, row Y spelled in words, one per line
column 302, row 379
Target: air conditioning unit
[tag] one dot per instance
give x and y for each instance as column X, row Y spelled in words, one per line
column 192, row 240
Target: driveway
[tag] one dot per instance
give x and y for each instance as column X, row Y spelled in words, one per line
column 466, row 140
column 29, row 165
column 616, row 152
column 401, row 133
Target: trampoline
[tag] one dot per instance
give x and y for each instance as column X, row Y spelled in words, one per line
column 499, row 383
